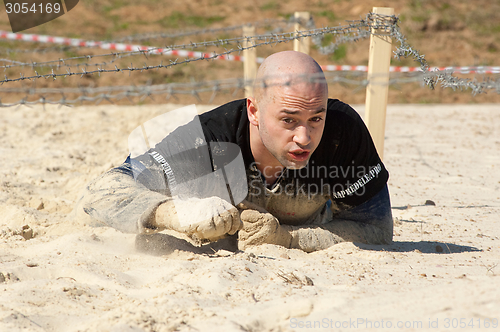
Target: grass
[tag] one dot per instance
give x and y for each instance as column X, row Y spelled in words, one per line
column 339, row 54
column 327, row 39
column 492, row 48
column 485, row 28
column 328, row 14
column 286, row 16
column 71, row 54
column 178, row 19
column 107, row 6
column 271, row 5
column 163, row 77
column 420, row 18
column 341, row 51
column 416, row 4
column 118, row 25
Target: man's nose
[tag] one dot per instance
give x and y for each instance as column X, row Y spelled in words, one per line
column 302, row 136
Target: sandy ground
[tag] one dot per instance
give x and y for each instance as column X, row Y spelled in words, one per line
column 440, row 273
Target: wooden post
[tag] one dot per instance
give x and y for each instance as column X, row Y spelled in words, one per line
column 378, row 82
column 302, row 44
column 250, row 62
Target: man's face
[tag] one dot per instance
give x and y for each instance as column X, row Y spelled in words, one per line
column 291, row 122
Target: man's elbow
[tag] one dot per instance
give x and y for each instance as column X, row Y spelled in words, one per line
column 386, row 237
column 382, row 234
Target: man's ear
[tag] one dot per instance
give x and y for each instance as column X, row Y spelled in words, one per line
column 252, row 111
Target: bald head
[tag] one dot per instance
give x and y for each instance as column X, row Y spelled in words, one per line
column 287, row 113
column 288, row 69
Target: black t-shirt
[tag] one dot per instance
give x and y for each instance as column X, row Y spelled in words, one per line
column 344, row 168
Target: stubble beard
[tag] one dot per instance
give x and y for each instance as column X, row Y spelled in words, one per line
column 281, row 156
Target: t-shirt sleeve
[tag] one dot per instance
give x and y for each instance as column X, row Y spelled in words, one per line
column 126, row 197
column 194, row 163
column 360, row 172
column 181, row 157
column 191, row 161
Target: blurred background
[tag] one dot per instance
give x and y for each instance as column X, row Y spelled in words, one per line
column 449, row 33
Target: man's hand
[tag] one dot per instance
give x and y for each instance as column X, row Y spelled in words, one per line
column 259, row 228
column 201, row 219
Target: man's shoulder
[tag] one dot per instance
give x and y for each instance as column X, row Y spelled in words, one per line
column 339, row 109
column 227, row 122
column 341, row 117
column 230, row 110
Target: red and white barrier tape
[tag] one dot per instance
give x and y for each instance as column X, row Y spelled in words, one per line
column 191, row 54
column 462, row 70
column 111, row 46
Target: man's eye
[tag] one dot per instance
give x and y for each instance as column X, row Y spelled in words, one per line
column 317, row 119
column 288, row 121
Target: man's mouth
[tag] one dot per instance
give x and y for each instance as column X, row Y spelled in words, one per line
column 299, row 155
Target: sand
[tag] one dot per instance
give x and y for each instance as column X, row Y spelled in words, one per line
column 60, row 274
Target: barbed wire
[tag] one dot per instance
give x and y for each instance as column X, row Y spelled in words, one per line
column 355, row 27
column 158, row 35
column 355, row 30
column 333, row 46
column 195, row 89
column 258, row 40
column 177, row 34
column 372, row 21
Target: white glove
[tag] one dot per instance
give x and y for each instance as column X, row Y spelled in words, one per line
column 201, row 219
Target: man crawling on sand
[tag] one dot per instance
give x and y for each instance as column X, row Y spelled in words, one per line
column 313, row 175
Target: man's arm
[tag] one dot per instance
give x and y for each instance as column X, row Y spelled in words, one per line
column 369, row 223
column 116, row 199
column 315, row 238
column 142, row 203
